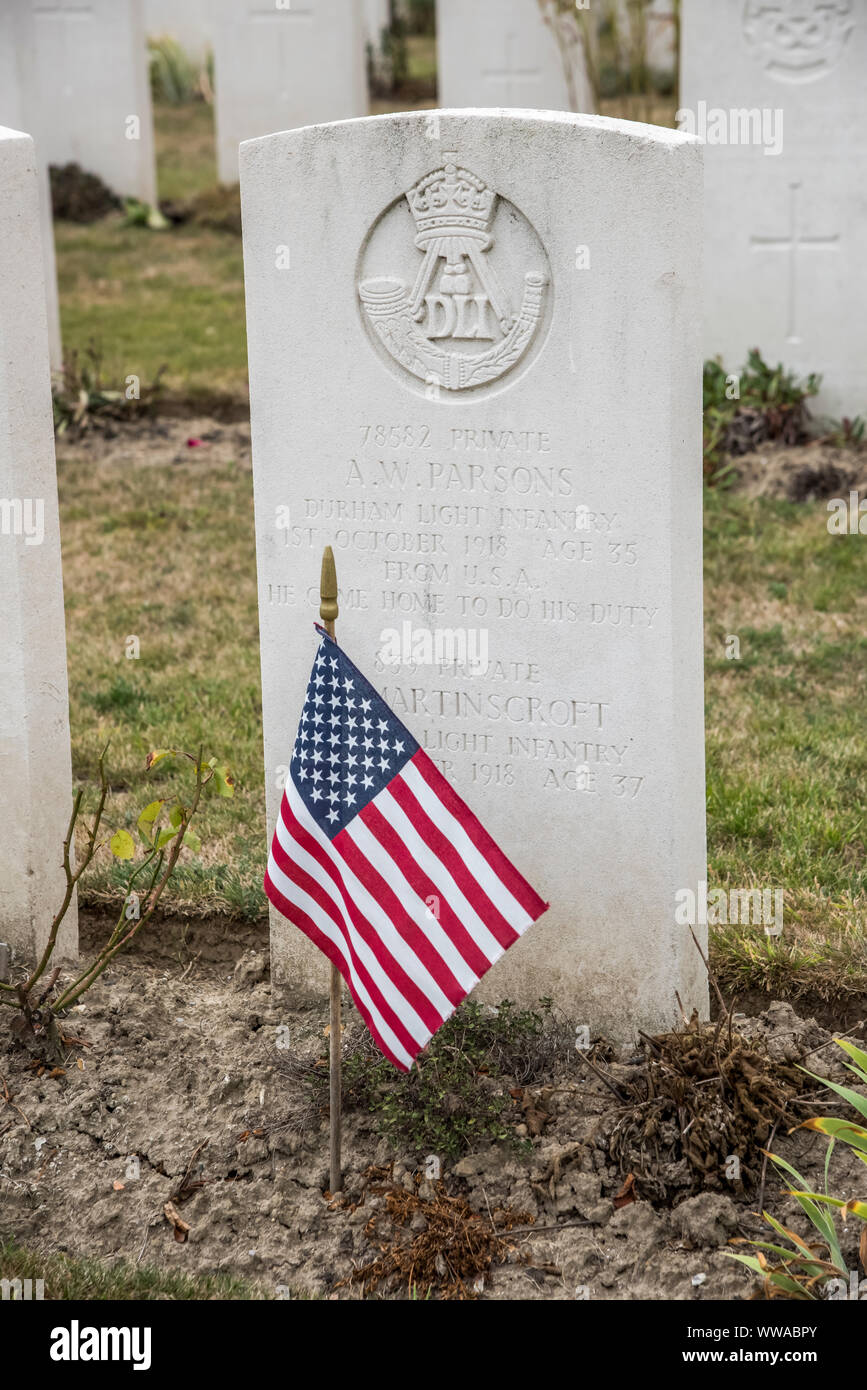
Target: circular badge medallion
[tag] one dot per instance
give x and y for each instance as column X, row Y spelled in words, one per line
column 454, row 284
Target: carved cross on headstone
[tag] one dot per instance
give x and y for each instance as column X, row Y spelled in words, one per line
column 511, row 73
column 791, row 245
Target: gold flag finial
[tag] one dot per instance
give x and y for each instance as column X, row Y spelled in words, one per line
column 328, row 591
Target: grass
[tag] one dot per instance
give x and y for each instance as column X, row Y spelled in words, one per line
column 421, row 52
column 786, row 752
column 186, row 152
column 168, row 556
column 174, row 297
column 149, row 299
column 74, row 1277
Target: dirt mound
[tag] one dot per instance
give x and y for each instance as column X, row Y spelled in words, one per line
column 803, row 472
column 77, row 196
column 161, row 440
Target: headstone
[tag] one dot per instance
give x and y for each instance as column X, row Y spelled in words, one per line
column 16, row 43
column 777, row 90
column 377, row 62
column 35, row 768
column 376, row 18
column 475, row 372
column 503, row 53
column 89, row 91
column 279, row 66
column 190, row 22
column 661, row 33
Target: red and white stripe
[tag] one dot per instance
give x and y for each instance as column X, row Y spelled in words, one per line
column 361, row 899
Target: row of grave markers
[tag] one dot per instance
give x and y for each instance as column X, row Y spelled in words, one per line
column 777, row 91
column 517, row 455
column 450, row 484
column 79, row 71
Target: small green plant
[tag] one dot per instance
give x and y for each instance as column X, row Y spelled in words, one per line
column 456, row 1096
column 806, row 1270
column 744, row 409
column 82, row 399
column 40, row 996
column 140, row 214
column 176, row 78
column 848, row 434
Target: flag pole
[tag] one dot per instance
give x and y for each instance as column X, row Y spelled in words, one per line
column 328, row 613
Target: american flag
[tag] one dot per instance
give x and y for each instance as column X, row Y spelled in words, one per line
column 383, row 866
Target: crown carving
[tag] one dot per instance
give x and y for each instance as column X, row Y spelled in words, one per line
column 451, row 202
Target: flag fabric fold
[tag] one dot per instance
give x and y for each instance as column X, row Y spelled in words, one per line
column 384, row 867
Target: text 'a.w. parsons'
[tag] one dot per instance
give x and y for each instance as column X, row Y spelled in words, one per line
column 382, row 865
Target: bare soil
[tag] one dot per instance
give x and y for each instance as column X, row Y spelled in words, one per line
column 797, row 473
column 175, row 1090
column 158, row 441
column 802, row 472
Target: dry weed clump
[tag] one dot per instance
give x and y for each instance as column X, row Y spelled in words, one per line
column 705, row 1098
column 433, row 1246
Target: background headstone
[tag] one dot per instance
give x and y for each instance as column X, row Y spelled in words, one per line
column 190, row 22
column 502, row 53
column 376, row 18
column 517, row 460
column 35, row 766
column 88, row 94
column 275, row 69
column 16, row 48
column 785, row 247
column 661, row 37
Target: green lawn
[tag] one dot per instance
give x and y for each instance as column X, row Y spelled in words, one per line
column 68, row 1277
column 151, row 299
column 786, row 748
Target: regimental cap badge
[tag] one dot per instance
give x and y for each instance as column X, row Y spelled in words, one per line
column 456, row 300
column 798, row 40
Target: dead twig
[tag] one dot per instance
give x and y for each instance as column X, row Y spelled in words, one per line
column 189, row 1185
column 606, row 1080
column 6, row 1096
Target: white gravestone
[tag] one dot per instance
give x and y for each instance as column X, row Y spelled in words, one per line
column 90, row 91
column 475, row 372
column 16, row 44
column 376, row 18
column 778, row 91
column 503, row 53
column 281, row 66
column 661, row 31
column 35, row 768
